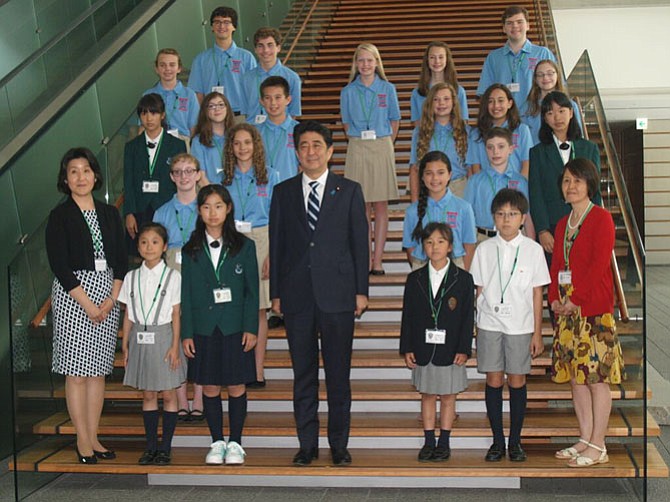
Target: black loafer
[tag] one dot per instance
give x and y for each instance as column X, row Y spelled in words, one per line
column 183, row 415
column 441, row 454
column 275, row 322
column 162, row 458
column 256, row 384
column 341, row 457
column 495, row 453
column 147, row 458
column 516, row 453
column 426, row 453
column 305, row 457
column 105, row 455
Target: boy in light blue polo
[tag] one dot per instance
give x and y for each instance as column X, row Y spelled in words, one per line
column 513, row 64
column 181, row 103
column 267, row 44
column 277, row 129
column 221, row 68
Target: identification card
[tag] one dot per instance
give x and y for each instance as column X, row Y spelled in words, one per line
column 218, row 88
column 514, row 87
column 145, row 338
column 437, row 336
column 260, row 118
column 565, row 277
column 503, row 310
column 369, row 134
column 222, row 295
column 174, row 132
column 149, row 186
column 177, row 257
column 100, row 265
column 243, row 226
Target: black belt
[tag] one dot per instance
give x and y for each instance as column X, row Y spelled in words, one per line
column 486, row 232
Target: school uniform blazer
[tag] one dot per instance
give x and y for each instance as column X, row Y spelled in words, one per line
column 546, row 165
column 328, row 266
column 199, row 314
column 136, row 170
column 70, row 246
column 456, row 317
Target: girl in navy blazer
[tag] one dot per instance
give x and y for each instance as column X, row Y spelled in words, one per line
column 436, row 335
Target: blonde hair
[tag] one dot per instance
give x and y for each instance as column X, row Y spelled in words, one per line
column 375, row 52
column 257, row 159
column 427, row 124
column 533, row 99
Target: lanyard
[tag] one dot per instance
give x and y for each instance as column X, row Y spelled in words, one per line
column 435, row 312
column 272, row 153
column 152, row 165
column 503, row 287
column 243, row 201
column 492, row 183
column 217, row 269
column 367, row 111
column 170, row 113
column 153, row 301
column 216, row 64
column 568, row 242
column 515, row 64
column 449, row 137
column 431, row 214
column 97, row 241
column 184, row 236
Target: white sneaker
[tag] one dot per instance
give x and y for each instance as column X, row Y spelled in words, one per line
column 217, row 452
column 234, row 454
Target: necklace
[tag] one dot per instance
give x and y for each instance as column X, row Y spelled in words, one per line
column 579, row 220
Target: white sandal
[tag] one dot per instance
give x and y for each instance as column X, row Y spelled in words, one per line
column 584, row 461
column 569, row 453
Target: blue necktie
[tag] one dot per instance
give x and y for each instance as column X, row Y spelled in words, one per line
column 313, row 205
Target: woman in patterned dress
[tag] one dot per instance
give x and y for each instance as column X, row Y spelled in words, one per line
column 586, row 350
column 86, row 250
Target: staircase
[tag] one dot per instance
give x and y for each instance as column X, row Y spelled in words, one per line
column 385, row 432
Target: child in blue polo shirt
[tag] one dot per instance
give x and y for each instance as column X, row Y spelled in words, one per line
column 181, row 103
column 483, row 186
column 214, row 119
column 437, row 204
column 221, row 68
column 267, row 44
column 277, row 127
column 512, row 65
column 250, row 184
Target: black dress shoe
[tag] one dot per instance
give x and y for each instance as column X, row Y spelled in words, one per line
column 516, row 453
column 162, row 458
column 147, row 458
column 495, row 453
column 275, row 322
column 441, row 454
column 377, row 272
column 90, row 459
column 256, row 384
column 105, row 455
column 305, row 457
column 426, row 453
column 341, row 457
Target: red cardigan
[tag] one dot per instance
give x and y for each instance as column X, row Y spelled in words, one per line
column 589, row 261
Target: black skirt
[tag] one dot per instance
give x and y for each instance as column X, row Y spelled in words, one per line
column 221, row 360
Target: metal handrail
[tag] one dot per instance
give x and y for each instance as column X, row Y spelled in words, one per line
column 540, row 6
column 300, row 31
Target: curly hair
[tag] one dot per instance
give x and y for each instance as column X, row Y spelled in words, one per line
column 258, row 158
column 484, row 119
column 449, row 74
column 536, row 93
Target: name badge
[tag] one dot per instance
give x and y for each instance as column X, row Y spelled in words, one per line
column 260, row 118
column 369, row 134
column 218, row 88
column 149, row 186
column 503, row 310
column 565, row 277
column 100, row 265
column 514, row 87
column 177, row 257
column 145, row 338
column 174, row 132
column 222, row 295
column 243, row 226
column 437, row 336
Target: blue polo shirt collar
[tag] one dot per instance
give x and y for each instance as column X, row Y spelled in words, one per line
column 230, row 52
column 524, row 48
column 443, row 202
column 373, row 87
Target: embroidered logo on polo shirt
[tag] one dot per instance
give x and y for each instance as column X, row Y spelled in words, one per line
column 261, row 190
column 237, row 64
column 183, row 104
column 452, row 217
column 381, row 100
column 513, row 184
column 289, row 141
column 532, row 63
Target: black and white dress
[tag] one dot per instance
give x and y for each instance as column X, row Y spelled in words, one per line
column 80, row 347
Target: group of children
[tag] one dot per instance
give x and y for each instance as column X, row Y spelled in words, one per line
column 206, row 214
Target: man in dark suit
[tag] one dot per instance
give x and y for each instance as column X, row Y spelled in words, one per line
column 319, row 281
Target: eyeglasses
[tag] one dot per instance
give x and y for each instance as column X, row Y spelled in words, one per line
column 225, row 22
column 502, row 214
column 216, row 106
column 550, row 73
column 177, row 173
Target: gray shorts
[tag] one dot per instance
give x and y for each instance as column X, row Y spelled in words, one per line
column 497, row 351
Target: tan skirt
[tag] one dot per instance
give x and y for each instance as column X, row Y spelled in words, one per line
column 372, row 164
column 260, row 237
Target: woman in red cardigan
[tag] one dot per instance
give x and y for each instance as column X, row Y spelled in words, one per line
column 586, row 350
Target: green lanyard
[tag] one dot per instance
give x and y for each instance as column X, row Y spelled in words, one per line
column 449, row 137
column 492, row 183
column 216, row 64
column 367, row 111
column 435, row 311
column 503, row 287
column 431, row 214
column 568, row 242
column 515, row 64
column 152, row 165
column 153, row 301
column 184, row 235
column 217, row 269
column 272, row 153
column 169, row 113
column 243, row 201
column 97, row 242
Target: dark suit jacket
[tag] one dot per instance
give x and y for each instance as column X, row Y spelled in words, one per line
column 199, row 314
column 456, row 317
column 328, row 266
column 136, row 170
column 70, row 245
column 546, row 204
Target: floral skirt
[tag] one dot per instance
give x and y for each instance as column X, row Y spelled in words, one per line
column 587, row 349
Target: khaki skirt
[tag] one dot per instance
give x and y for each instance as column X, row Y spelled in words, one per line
column 260, row 237
column 372, row 164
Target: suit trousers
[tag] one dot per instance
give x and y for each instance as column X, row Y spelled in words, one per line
column 337, row 333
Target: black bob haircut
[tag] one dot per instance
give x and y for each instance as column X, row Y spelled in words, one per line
column 583, row 169
column 563, row 101
column 78, row 152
